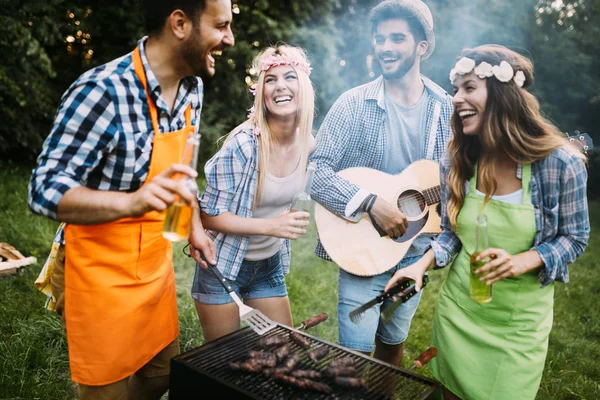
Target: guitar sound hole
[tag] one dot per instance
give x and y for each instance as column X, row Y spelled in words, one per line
column 411, row 203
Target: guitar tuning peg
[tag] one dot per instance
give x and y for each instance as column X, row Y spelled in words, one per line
column 586, row 147
column 581, row 138
column 576, row 132
column 571, row 140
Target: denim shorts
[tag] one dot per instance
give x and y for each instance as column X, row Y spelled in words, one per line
column 354, row 291
column 255, row 280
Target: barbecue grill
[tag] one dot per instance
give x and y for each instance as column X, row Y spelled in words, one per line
column 206, row 369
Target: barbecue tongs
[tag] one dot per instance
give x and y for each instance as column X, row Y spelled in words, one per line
column 404, row 290
column 259, row 322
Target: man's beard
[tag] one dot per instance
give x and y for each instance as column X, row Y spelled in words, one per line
column 195, row 55
column 403, row 68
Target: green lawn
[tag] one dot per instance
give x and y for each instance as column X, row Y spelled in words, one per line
column 33, row 354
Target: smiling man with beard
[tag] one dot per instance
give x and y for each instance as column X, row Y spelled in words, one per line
column 386, row 124
column 105, row 170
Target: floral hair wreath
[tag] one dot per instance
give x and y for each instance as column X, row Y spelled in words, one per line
column 503, row 72
column 276, row 60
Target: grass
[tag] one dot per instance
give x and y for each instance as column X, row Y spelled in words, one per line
column 33, row 352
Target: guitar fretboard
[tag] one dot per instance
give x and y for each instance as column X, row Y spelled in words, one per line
column 432, row 195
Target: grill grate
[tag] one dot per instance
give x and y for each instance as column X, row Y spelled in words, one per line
column 207, row 367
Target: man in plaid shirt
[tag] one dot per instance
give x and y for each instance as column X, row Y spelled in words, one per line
column 386, row 124
column 106, row 170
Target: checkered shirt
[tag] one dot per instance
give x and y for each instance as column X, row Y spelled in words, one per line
column 102, row 133
column 231, row 177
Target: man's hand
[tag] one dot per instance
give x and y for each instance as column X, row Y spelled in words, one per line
column 162, row 191
column 200, row 243
column 389, row 218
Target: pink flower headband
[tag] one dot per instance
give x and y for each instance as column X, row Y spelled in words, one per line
column 275, row 60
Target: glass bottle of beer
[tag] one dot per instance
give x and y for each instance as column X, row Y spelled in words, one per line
column 480, row 291
column 302, row 200
column 178, row 221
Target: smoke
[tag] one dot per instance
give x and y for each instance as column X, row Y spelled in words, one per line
column 340, row 48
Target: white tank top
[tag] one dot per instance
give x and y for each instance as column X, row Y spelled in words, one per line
column 277, row 196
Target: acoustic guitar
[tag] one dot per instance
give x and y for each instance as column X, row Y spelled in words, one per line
column 359, row 247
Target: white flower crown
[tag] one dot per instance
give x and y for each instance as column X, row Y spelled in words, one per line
column 503, row 72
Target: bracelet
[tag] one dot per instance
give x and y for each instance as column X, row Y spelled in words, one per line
column 370, row 203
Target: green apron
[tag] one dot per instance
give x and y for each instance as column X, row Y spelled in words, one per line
column 495, row 350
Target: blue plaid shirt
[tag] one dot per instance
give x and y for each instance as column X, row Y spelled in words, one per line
column 353, row 135
column 231, row 177
column 102, row 133
column 558, row 195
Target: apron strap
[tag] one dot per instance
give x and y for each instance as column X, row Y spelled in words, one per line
column 141, row 74
column 526, row 182
column 473, row 181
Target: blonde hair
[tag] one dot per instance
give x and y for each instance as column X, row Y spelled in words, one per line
column 512, row 126
column 304, row 117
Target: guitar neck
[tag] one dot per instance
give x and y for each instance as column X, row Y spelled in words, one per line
column 433, row 195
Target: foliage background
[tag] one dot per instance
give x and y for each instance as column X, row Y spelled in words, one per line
column 46, row 44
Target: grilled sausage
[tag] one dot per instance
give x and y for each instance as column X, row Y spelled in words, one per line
column 303, row 383
column 306, row 373
column 349, row 382
column 269, row 341
column 264, row 358
column 318, row 353
column 283, row 351
column 342, row 362
column 341, row 371
column 300, row 340
column 312, row 321
column 246, row 366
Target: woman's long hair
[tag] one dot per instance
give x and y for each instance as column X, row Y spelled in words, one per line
column 512, row 126
column 305, row 99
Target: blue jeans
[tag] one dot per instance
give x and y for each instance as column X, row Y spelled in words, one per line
column 354, row 291
column 256, row 280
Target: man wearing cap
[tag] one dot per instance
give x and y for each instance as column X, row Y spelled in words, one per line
column 387, row 124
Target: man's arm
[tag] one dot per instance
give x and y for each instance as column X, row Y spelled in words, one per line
column 85, row 206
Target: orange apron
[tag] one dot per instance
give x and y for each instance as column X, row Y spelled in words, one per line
column 120, row 300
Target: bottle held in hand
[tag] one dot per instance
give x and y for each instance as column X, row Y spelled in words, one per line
column 302, row 200
column 480, row 291
column 178, row 221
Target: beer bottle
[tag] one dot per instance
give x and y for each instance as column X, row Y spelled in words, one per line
column 178, row 221
column 480, row 291
column 302, row 200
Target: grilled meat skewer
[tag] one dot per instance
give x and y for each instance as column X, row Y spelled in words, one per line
column 342, row 371
column 312, row 321
column 306, row 373
column 264, row 358
column 283, row 351
column 246, row 366
column 342, row 362
column 317, row 354
column 303, row 383
column 300, row 340
column 269, row 341
column 349, row 382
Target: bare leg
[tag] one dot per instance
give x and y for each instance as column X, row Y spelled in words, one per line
column 276, row 308
column 389, row 353
column 217, row 319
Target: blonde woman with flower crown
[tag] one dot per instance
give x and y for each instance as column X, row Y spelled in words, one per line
column 250, row 184
column 509, row 163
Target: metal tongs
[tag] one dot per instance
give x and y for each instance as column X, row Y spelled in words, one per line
column 404, row 290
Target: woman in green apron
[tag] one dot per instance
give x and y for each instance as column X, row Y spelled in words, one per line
column 508, row 163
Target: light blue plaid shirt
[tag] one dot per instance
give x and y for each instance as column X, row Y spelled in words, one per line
column 231, row 177
column 102, row 133
column 558, row 195
column 353, row 135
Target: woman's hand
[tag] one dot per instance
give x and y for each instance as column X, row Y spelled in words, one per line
column 503, row 265
column 414, row 272
column 289, row 225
